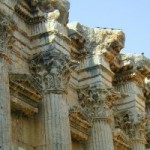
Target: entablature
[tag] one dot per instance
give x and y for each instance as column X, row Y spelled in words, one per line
column 78, row 49
column 80, row 127
column 131, row 68
column 33, row 12
column 121, row 140
column 26, row 93
column 29, row 15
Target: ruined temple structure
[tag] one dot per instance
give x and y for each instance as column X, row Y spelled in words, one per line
column 65, row 86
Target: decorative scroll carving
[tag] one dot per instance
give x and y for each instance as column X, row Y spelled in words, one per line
column 53, row 68
column 97, row 101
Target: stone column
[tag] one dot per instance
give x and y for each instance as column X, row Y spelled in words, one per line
column 101, row 135
column 96, row 102
column 57, row 125
column 55, row 69
column 134, row 129
column 136, row 132
column 138, row 145
column 5, row 115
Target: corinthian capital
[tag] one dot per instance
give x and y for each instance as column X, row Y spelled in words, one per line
column 53, row 68
column 134, row 129
column 97, row 101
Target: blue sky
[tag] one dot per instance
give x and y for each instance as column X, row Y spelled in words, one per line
column 132, row 16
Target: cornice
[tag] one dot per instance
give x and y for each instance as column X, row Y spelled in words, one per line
column 131, row 68
column 27, row 13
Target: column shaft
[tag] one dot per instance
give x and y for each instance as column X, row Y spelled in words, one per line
column 136, row 145
column 57, row 125
column 5, row 115
column 101, row 136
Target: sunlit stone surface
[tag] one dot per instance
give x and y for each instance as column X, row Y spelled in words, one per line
column 65, row 86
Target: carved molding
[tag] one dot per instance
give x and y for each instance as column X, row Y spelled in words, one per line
column 131, row 68
column 29, row 12
column 78, row 41
column 53, row 68
column 121, row 140
column 36, row 11
column 26, row 93
column 80, row 126
column 97, row 101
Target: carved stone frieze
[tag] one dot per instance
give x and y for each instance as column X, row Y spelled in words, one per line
column 97, row 101
column 53, row 68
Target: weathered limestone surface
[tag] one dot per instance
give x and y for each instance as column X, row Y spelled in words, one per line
column 66, row 86
column 57, row 123
column 5, row 115
column 101, row 137
column 136, row 145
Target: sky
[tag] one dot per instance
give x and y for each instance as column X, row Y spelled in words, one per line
column 132, row 16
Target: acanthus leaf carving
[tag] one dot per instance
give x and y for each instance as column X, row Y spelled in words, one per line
column 53, row 68
column 97, row 101
column 135, row 130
